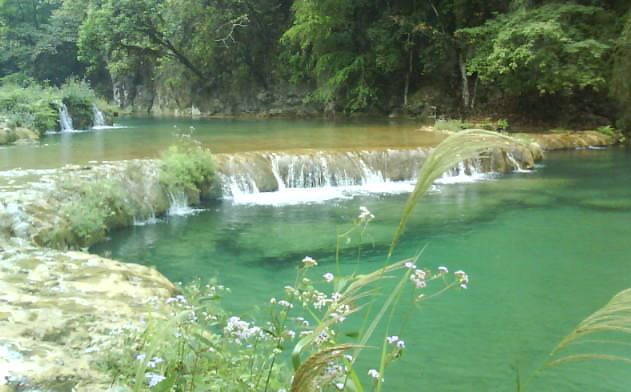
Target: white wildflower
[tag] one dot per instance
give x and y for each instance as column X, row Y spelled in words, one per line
column 309, row 262
column 409, row 265
column 442, row 270
column 241, row 330
column 365, row 214
column 154, row 362
column 373, row 373
column 285, row 304
column 154, row 379
column 337, row 317
column 322, row 337
column 328, row 277
column 401, row 344
column 392, row 339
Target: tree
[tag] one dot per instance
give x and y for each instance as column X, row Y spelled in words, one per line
column 621, row 75
column 38, row 39
column 552, row 49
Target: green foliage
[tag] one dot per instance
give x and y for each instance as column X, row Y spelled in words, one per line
column 189, row 168
column 38, row 38
column 607, row 130
column 620, row 80
column 501, row 125
column 34, row 106
column 555, row 48
column 198, row 348
column 93, row 207
column 451, row 125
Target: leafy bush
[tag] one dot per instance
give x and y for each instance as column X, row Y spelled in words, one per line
column 607, row 130
column 189, row 168
column 31, row 107
column 451, row 125
column 501, row 125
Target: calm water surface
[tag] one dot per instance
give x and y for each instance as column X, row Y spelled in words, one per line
column 145, row 138
column 543, row 251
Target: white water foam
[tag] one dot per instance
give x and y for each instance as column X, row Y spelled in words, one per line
column 65, row 121
column 179, row 205
column 294, row 196
column 99, row 118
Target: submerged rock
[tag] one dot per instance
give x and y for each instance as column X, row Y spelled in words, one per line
column 60, row 310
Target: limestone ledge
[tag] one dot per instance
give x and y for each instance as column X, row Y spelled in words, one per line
column 60, row 310
column 572, row 140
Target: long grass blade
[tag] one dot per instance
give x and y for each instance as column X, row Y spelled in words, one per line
column 456, row 148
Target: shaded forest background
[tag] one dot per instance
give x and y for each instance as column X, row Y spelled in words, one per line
column 535, row 62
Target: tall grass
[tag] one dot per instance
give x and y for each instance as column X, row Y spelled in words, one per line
column 595, row 338
column 456, row 148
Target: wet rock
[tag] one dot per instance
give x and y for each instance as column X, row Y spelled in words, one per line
column 572, row 140
column 60, row 310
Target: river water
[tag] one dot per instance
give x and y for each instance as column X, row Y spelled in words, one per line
column 543, row 250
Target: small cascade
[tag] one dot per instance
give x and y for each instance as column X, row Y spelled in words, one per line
column 65, row 121
column 465, row 172
column 248, row 176
column 515, row 163
column 150, row 219
column 262, row 177
column 99, row 118
column 179, row 205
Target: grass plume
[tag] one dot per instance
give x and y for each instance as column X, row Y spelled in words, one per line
column 456, row 148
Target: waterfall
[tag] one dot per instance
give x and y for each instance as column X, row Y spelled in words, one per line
column 65, row 121
column 515, row 163
column 312, row 176
column 179, row 205
column 99, row 118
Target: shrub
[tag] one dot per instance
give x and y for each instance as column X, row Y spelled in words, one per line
column 451, row 125
column 501, row 125
column 607, row 130
column 189, row 168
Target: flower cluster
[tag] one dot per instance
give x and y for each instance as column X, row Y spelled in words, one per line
column 396, row 341
column 463, row 278
column 309, row 262
column 241, row 330
column 365, row 215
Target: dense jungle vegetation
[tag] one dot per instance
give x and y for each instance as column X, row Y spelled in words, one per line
column 527, row 59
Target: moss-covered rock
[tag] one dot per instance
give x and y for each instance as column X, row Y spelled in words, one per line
column 59, row 311
column 82, row 113
column 7, row 136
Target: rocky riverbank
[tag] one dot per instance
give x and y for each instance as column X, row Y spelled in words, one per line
column 60, row 310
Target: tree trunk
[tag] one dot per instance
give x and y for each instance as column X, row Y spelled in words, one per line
column 474, row 94
column 466, row 98
column 406, row 89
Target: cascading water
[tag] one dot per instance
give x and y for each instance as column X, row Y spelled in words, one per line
column 65, row 121
column 179, row 205
column 99, row 118
column 515, row 163
column 276, row 178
